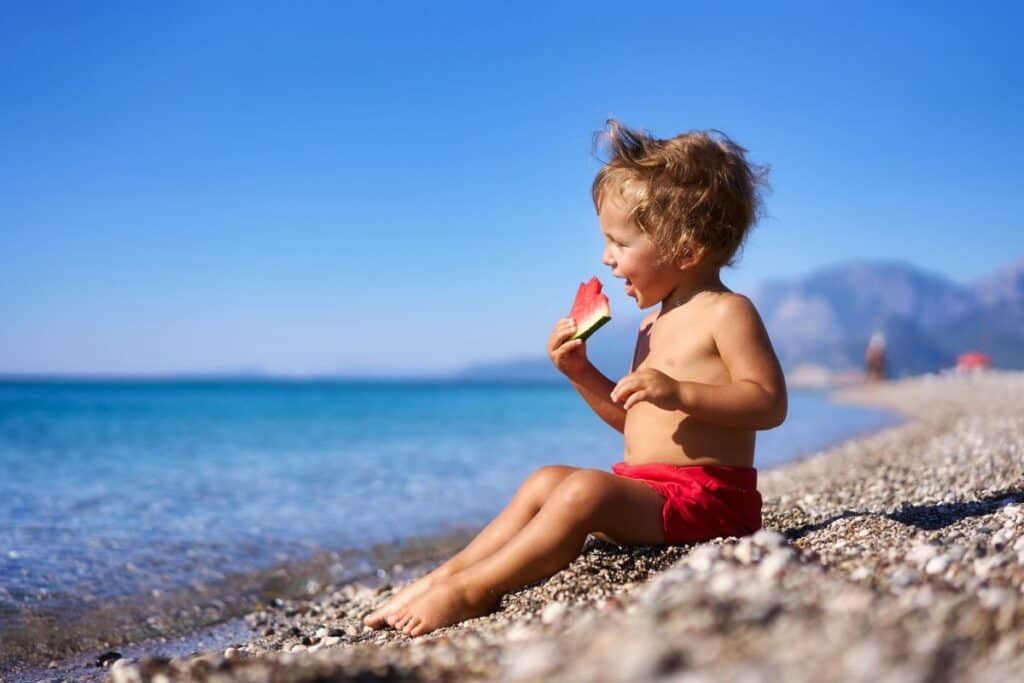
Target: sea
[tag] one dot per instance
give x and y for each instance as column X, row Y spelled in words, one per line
column 118, row 489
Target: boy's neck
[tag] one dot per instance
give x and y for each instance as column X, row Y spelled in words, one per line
column 693, row 282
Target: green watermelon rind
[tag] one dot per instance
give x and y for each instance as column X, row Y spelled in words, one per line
column 591, row 326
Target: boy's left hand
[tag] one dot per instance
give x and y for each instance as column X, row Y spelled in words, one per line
column 648, row 385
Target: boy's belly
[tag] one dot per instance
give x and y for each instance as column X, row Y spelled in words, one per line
column 656, row 435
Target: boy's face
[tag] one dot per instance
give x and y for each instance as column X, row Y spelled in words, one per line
column 631, row 255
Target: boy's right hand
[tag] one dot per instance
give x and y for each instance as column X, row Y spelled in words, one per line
column 568, row 355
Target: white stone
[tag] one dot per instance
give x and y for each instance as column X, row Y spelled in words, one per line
column 1001, row 538
column 531, row 661
column 745, row 551
column 768, row 539
column 937, row 565
column 993, row 597
column 921, row 554
column 773, row 565
column 722, row 584
column 553, row 613
column 904, row 577
column 983, row 566
column 860, row 573
column 519, row 632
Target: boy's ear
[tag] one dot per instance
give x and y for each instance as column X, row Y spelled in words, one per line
column 692, row 257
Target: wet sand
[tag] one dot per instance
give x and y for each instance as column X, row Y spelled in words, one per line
column 895, row 556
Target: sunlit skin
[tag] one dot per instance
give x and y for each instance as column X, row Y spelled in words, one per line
column 704, row 378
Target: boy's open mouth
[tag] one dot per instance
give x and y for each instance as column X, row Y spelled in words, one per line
column 630, row 290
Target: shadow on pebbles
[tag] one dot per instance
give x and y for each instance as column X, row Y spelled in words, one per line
column 894, row 557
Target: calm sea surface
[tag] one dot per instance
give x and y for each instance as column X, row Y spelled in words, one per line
column 111, row 489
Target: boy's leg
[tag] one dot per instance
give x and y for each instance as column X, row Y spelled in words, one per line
column 587, row 501
column 520, row 510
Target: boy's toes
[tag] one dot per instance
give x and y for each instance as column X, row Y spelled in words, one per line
column 410, row 628
column 374, row 619
column 392, row 618
column 417, row 629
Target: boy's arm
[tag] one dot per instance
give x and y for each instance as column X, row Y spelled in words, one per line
column 756, row 398
column 594, row 387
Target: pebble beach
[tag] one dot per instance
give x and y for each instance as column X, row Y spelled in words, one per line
column 898, row 556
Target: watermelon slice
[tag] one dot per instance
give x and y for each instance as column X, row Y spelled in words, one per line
column 590, row 310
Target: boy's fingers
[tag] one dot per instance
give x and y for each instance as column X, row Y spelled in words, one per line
column 635, row 398
column 622, row 383
column 563, row 348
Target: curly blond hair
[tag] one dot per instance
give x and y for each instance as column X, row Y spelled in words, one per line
column 695, row 195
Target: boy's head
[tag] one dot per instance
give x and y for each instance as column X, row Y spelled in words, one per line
column 695, row 196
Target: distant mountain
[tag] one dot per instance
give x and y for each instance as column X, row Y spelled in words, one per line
column 826, row 318
column 611, row 350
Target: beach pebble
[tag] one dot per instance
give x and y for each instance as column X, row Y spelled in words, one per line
column 519, row 633
column 860, row 573
column 125, row 674
column 921, row 554
column 1001, row 538
column 702, row 558
column 774, row 564
column 745, row 551
column 937, row 565
column 531, row 661
column 553, row 613
column 955, row 552
column 722, row 584
column 766, row 538
column 983, row 566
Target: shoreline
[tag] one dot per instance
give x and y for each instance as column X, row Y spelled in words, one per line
column 812, row 506
column 58, row 641
column 177, row 622
column 899, row 555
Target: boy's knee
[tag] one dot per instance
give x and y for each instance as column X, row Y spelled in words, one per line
column 544, row 480
column 582, row 492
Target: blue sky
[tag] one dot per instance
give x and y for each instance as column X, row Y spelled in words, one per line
column 308, row 188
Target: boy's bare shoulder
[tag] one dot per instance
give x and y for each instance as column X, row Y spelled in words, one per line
column 744, row 345
column 730, row 306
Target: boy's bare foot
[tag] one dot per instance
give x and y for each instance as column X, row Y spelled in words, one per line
column 447, row 603
column 384, row 615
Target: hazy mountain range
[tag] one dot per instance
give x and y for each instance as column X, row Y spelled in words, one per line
column 826, row 318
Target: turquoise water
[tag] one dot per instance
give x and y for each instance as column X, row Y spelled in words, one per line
column 122, row 488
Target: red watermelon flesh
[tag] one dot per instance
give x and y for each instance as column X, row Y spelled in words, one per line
column 590, row 310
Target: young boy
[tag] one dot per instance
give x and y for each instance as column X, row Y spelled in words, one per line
column 704, row 379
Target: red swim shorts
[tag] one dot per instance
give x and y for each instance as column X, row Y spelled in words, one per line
column 701, row 501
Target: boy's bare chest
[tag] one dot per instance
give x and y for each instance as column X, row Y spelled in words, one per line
column 683, row 347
